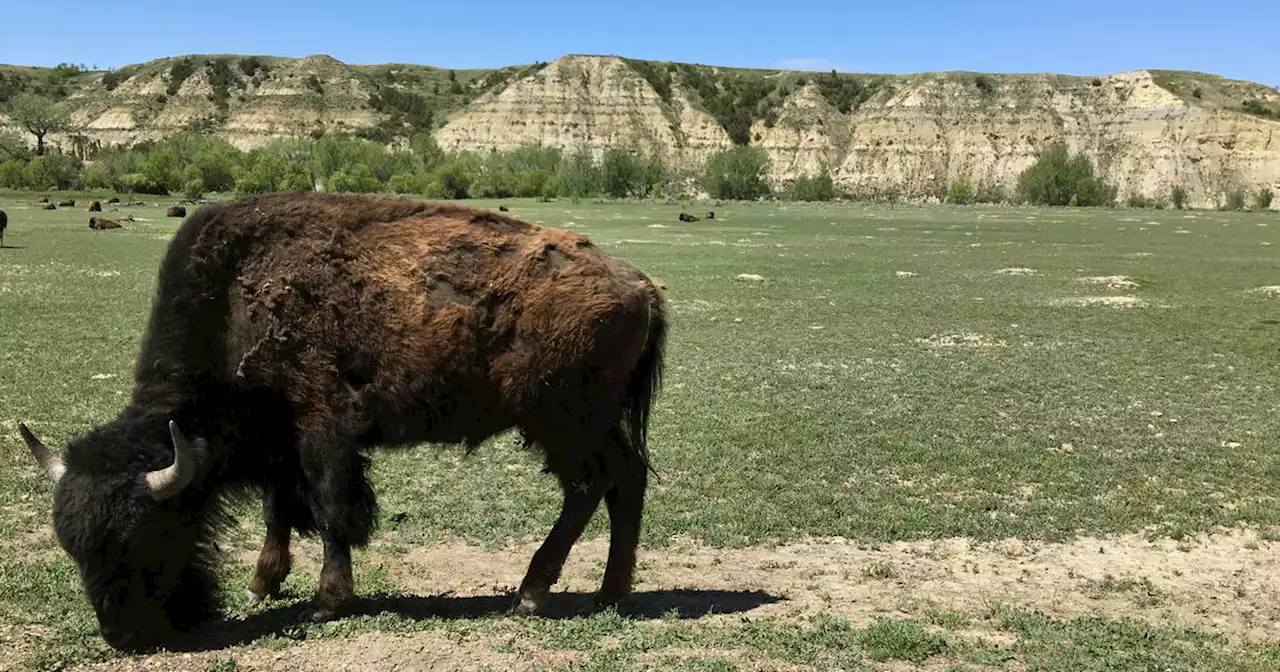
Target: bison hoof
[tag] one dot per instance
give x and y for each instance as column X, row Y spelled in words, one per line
column 315, row 615
column 525, row 607
column 253, row 597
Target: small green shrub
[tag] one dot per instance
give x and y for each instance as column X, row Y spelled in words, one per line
column 1179, row 197
column 1262, row 199
column 985, row 84
column 1235, row 199
column 814, row 188
column 960, row 193
column 178, row 73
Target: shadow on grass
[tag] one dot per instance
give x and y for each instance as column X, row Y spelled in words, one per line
column 282, row 620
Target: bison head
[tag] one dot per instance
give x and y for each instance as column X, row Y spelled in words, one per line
column 137, row 550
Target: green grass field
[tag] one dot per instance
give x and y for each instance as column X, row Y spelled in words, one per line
column 889, row 438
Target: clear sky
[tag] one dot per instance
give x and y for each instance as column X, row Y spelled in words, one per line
column 1234, row 38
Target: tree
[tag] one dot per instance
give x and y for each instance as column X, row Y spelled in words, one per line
column 737, row 174
column 40, row 116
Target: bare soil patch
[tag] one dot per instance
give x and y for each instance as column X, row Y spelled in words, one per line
column 1111, row 281
column 1227, row 582
column 1018, row 271
column 965, row 339
column 1109, row 301
column 1269, row 290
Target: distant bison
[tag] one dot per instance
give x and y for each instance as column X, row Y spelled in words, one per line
column 50, row 206
column 502, row 208
column 4, row 224
column 112, row 200
column 292, row 333
column 176, row 211
column 95, row 207
column 688, row 218
column 103, row 223
column 711, row 214
column 67, row 204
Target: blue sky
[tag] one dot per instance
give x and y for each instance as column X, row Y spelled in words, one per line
column 1227, row 37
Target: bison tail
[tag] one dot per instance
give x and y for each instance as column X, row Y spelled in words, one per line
column 646, row 381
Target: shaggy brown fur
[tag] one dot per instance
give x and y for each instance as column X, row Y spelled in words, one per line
column 95, row 207
column 176, row 211
column 296, row 331
column 101, row 223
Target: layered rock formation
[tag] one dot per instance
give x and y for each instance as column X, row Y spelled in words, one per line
column 1147, row 131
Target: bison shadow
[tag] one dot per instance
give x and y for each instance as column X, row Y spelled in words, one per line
column 281, row 620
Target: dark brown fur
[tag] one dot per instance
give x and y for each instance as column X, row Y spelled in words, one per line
column 95, row 207
column 176, row 211
column 296, row 331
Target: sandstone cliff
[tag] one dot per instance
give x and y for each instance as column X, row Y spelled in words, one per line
column 1147, row 131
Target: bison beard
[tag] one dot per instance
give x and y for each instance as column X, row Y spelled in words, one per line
column 292, row 332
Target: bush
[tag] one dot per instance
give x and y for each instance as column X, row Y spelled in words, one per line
column 52, row 171
column 1057, row 178
column 578, row 176
column 358, row 180
column 178, row 73
column 1235, row 199
column 97, row 177
column 960, row 193
column 1179, row 197
column 1262, row 200
column 985, row 84
column 625, row 173
column 11, row 174
column 991, row 193
column 814, row 188
column 737, row 174
column 1137, row 200
column 408, row 183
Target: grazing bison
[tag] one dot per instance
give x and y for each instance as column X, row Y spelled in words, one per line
column 502, row 208
column 292, row 332
column 67, row 204
column 688, row 218
column 103, row 223
column 4, row 224
column 176, row 211
column 95, row 207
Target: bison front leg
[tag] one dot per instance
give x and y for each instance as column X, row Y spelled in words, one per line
column 581, row 499
column 274, row 561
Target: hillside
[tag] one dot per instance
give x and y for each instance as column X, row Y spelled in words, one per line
column 877, row 135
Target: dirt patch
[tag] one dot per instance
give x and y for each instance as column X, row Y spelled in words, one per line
column 1111, row 281
column 1228, row 582
column 965, row 339
column 750, row 277
column 906, row 274
column 1269, row 290
column 1110, row 301
column 1018, row 271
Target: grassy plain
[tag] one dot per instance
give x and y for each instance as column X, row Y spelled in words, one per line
column 911, row 436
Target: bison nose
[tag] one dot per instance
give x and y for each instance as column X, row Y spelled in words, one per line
column 119, row 637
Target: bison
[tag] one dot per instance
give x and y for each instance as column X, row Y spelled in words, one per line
column 101, row 223
column 49, row 206
column 95, row 207
column 69, row 203
column 293, row 332
column 4, row 224
column 176, row 211
column 113, row 200
column 685, row 217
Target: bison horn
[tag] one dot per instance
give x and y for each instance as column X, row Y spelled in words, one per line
column 167, row 482
column 51, row 463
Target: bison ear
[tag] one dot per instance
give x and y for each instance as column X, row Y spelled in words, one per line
column 167, row 482
column 51, row 463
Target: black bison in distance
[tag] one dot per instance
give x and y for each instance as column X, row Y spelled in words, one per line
column 293, row 332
